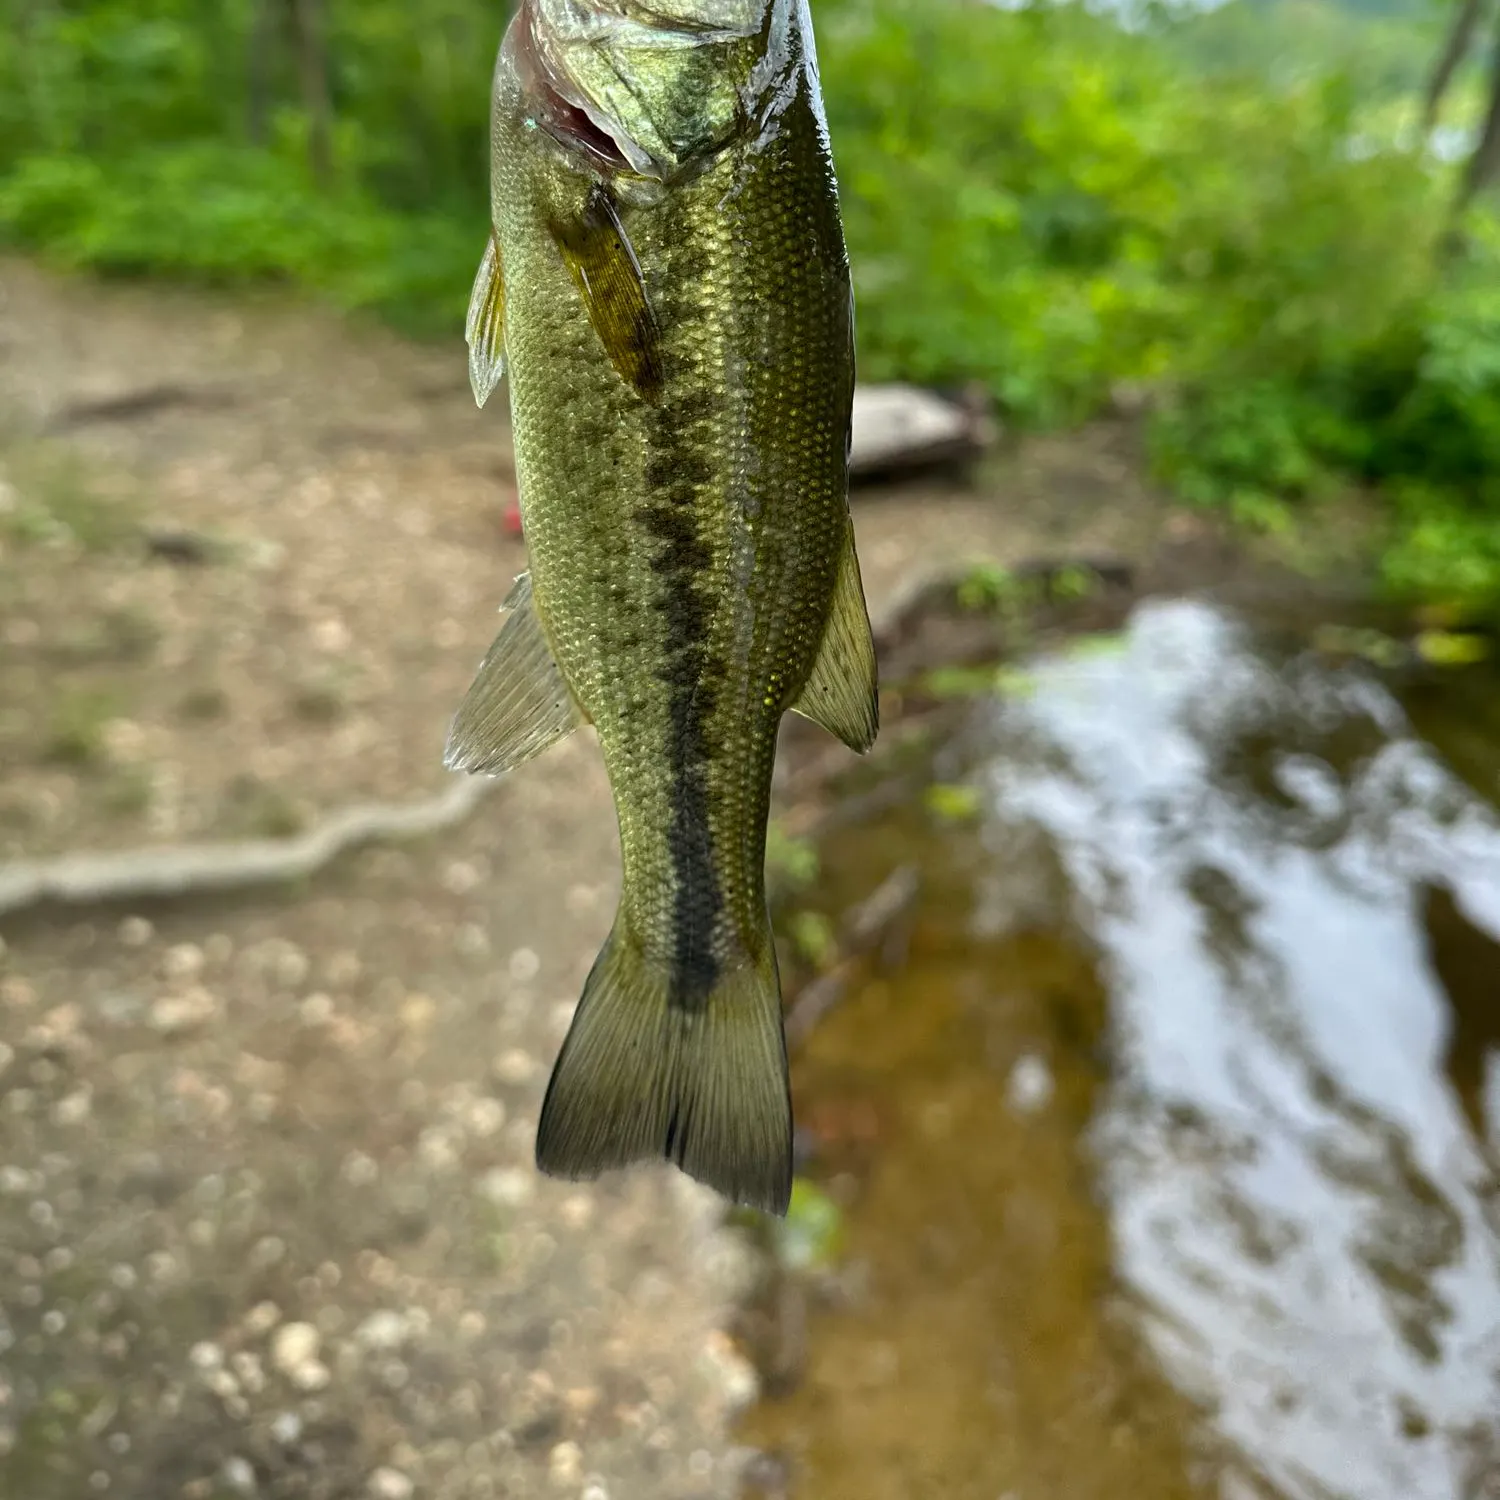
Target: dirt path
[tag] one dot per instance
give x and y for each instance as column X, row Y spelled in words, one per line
column 268, row 1220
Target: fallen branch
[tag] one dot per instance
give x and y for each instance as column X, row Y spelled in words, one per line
column 143, row 874
column 138, row 403
column 864, row 928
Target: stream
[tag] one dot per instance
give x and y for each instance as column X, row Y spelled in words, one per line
column 1169, row 1153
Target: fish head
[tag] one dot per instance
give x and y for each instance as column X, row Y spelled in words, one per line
column 648, row 88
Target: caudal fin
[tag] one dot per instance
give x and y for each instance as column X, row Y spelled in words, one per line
column 640, row 1079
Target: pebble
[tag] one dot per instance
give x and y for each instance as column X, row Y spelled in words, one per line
column 316, row 1009
column 248, row 1372
column 182, row 961
column 1030, row 1087
column 360, row 1170
column 738, row 1379
column 135, row 932
column 524, row 965
column 312, row 1376
column 390, row 1484
column 460, row 878
column 206, row 1356
column 286, row 1428
column 290, row 965
column 507, row 1187
column 262, row 1318
column 484, row 1117
column 172, row 1015
column 7, row 1056
column 295, row 1345
column 515, row 1067
column 382, row 1331
column 565, row 1464
column 73, row 1109
column 577, row 1211
column 239, row 1476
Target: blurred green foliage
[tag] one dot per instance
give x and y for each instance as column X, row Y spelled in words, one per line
column 1225, row 209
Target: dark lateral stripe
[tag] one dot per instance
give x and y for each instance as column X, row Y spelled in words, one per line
column 678, row 470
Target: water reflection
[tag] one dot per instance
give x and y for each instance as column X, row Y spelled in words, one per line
column 1298, row 911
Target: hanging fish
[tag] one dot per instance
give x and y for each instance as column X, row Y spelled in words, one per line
column 667, row 288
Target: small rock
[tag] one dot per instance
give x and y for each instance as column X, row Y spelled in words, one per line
column 182, row 961
column 73, row 1109
column 390, row 1484
column 206, row 1356
column 576, row 1211
column 239, row 1476
column 316, row 1009
column 262, row 1318
column 565, row 1464
column 287, row 1428
column 332, row 635
column 172, row 1015
column 1030, row 1087
column 460, row 878
column 738, row 1379
column 267, row 1252
column 382, row 1331
column 524, row 965
column 295, row 1345
column 507, row 1187
column 360, row 1170
column 515, row 1067
column 7, row 1056
column 247, row 1370
column 312, row 1376
column 135, row 932
column 484, row 1117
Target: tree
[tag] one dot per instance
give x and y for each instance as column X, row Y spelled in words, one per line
column 304, row 21
column 1456, row 47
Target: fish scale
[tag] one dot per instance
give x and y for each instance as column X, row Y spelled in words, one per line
column 679, row 351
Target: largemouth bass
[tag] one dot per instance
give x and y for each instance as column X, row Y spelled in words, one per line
column 667, row 289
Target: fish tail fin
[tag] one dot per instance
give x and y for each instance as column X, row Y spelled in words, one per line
column 705, row 1086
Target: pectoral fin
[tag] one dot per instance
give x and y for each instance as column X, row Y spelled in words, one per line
column 841, row 694
column 518, row 704
column 598, row 253
column 485, row 329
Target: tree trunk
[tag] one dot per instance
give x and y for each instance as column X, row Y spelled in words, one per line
column 263, row 31
column 1483, row 170
column 312, row 61
column 1456, row 47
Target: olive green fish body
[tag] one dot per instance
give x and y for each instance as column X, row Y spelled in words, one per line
column 680, row 357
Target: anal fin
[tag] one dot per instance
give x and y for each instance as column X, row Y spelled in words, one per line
column 842, row 694
column 484, row 330
column 518, row 703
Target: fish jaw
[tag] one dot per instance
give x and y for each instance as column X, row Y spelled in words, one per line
column 654, row 91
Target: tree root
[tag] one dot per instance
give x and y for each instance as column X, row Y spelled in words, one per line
column 192, row 869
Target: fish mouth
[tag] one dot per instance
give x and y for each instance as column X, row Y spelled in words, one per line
column 552, row 42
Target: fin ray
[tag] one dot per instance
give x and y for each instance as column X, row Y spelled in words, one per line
column 518, row 703
column 639, row 1079
column 604, row 267
column 842, row 693
column 484, row 329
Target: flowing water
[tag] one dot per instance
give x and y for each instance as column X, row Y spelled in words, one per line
column 1169, row 1152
